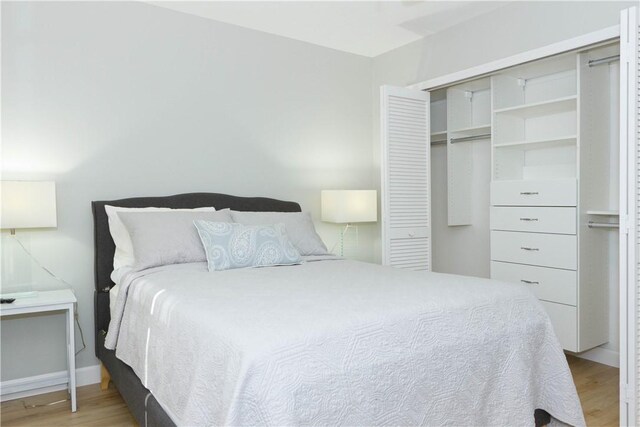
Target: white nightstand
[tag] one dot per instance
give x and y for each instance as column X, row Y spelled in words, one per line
column 47, row 301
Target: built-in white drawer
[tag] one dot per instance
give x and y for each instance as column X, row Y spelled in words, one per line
column 561, row 192
column 549, row 284
column 534, row 219
column 547, row 250
column 564, row 319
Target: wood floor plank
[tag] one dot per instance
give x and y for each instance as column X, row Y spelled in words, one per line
column 95, row 408
column 597, row 386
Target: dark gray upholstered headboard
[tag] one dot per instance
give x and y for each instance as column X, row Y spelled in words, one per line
column 105, row 248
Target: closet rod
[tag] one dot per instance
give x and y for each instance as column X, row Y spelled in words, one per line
column 470, row 138
column 441, row 142
column 593, row 224
column 608, row 59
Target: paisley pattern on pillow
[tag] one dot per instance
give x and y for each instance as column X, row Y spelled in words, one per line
column 231, row 245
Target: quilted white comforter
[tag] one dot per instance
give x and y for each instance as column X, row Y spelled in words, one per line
column 340, row 343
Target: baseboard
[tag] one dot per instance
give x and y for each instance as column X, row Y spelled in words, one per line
column 601, row 355
column 39, row 384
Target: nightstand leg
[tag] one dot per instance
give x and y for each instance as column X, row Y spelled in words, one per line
column 71, row 355
column 105, row 377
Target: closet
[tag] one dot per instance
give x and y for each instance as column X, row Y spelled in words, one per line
column 524, row 177
column 554, row 188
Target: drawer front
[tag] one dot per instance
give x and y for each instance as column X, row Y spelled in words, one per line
column 534, row 193
column 546, row 250
column 534, row 219
column 564, row 319
column 549, row 284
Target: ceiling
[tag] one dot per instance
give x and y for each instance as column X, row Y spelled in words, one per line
column 367, row 28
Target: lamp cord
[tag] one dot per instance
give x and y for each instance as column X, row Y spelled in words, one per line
column 50, row 273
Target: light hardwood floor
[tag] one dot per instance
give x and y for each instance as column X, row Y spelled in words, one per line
column 597, row 386
column 95, row 408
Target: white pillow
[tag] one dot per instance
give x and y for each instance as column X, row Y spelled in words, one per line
column 163, row 238
column 123, row 256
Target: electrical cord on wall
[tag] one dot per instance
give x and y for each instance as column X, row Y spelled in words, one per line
column 50, row 273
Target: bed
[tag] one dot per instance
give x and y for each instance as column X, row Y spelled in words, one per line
column 327, row 342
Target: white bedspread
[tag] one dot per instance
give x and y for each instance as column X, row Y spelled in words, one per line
column 340, row 343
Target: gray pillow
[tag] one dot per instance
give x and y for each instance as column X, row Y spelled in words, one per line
column 232, row 245
column 161, row 238
column 299, row 226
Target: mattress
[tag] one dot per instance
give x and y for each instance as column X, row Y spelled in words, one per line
column 340, row 342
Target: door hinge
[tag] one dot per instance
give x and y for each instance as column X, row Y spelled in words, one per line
column 625, row 393
column 624, row 224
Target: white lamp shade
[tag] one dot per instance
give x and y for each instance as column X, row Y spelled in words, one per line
column 349, row 206
column 28, row 204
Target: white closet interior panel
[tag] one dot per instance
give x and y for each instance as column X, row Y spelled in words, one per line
column 438, row 116
column 469, row 243
column 406, row 219
column 468, row 120
column 599, row 176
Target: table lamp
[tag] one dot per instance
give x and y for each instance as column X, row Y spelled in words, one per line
column 27, row 204
column 348, row 207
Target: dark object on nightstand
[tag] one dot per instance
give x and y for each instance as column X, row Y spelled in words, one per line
column 7, row 300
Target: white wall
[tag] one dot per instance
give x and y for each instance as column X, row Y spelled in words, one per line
column 115, row 100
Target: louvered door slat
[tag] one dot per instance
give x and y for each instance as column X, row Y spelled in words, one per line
column 406, row 179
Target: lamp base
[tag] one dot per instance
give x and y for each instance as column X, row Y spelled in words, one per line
column 343, row 232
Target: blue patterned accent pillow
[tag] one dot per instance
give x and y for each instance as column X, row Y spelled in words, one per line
column 231, row 245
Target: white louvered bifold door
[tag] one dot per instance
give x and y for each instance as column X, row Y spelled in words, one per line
column 406, row 178
column 629, row 217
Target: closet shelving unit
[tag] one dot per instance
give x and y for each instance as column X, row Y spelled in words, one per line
column 550, row 184
column 535, row 121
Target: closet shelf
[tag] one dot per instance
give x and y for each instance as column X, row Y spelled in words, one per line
column 473, row 130
column 538, row 143
column 554, row 106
